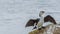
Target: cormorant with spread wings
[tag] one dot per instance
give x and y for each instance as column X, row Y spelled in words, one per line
column 48, row 18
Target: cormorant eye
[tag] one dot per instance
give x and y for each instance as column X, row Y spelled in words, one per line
column 42, row 11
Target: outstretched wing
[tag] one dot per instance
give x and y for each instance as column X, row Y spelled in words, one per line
column 31, row 22
column 49, row 18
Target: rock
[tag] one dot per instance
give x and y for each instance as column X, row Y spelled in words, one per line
column 57, row 30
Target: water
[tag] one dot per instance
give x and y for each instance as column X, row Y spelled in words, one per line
column 15, row 13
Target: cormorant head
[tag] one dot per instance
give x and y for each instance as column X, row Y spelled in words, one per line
column 41, row 13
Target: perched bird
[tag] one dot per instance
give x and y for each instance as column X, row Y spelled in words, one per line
column 41, row 21
column 37, row 23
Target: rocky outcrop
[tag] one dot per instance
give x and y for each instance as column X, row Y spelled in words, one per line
column 57, row 30
column 45, row 30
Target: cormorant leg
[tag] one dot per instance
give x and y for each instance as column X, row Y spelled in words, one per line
column 35, row 27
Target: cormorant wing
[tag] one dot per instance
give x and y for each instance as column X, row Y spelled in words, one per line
column 31, row 22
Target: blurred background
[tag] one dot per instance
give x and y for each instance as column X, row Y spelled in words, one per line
column 14, row 14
